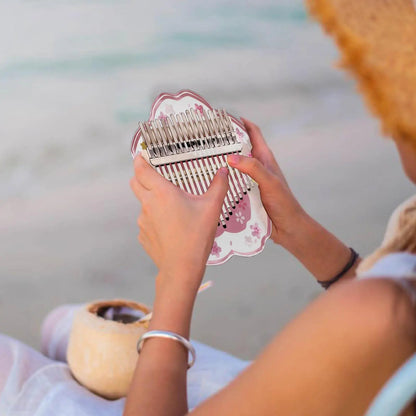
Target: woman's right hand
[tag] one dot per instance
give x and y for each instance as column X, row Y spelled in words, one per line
column 314, row 246
column 277, row 198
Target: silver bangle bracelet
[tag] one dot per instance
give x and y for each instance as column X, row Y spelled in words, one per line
column 168, row 335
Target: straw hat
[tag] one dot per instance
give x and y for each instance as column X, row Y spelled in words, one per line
column 377, row 39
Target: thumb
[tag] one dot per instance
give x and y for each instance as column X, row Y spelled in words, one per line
column 219, row 186
column 251, row 166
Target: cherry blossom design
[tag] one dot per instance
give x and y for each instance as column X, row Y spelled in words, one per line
column 162, row 115
column 239, row 217
column 199, row 108
column 248, row 239
column 255, row 230
column 216, row 249
column 169, row 109
column 240, row 134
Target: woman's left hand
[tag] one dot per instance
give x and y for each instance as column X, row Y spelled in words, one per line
column 177, row 229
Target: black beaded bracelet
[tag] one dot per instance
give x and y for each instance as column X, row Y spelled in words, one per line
column 326, row 283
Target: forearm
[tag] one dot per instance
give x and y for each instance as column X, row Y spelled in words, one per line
column 317, row 249
column 159, row 382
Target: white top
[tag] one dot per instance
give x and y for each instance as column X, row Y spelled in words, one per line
column 398, row 267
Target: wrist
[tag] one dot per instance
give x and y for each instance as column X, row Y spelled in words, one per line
column 316, row 248
column 172, row 307
column 185, row 278
column 293, row 235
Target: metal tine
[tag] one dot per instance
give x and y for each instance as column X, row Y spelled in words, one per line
column 192, row 175
column 178, row 176
column 146, row 139
column 174, row 135
column 226, row 209
column 165, row 173
column 228, row 125
column 228, row 128
column 208, row 163
column 229, row 198
column 222, row 129
column 214, row 123
column 182, row 132
column 236, row 184
column 220, row 164
column 197, row 178
column 184, row 179
column 247, row 180
column 171, row 174
column 235, row 188
column 198, row 128
column 204, row 128
column 210, row 129
column 213, row 173
column 195, row 131
column 153, row 144
column 152, row 131
column 167, row 135
column 233, row 192
column 177, row 132
column 161, row 136
column 241, row 181
column 193, row 140
column 212, row 167
column 214, row 138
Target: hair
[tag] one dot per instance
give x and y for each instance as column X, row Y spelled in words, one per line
column 400, row 235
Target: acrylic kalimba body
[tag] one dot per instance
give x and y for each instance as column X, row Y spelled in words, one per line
column 187, row 141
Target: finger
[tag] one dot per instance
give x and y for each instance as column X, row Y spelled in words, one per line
column 219, row 187
column 251, row 166
column 256, row 136
column 146, row 175
column 139, row 190
column 260, row 149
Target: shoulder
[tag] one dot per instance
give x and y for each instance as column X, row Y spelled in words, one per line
column 377, row 308
column 335, row 355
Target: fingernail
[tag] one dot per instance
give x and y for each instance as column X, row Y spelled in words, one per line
column 223, row 171
column 233, row 159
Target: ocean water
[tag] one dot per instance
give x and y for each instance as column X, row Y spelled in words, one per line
column 76, row 77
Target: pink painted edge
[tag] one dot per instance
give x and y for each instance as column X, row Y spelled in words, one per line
column 251, row 253
column 175, row 97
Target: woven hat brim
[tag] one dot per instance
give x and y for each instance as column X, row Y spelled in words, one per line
column 377, row 40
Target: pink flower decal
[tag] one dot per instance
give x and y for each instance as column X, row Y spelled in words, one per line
column 255, row 230
column 169, row 109
column 163, row 116
column 239, row 217
column 216, row 249
column 199, row 108
column 239, row 133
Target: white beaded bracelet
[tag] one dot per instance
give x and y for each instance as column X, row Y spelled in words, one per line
column 168, row 335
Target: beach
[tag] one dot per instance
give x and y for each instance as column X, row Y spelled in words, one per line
column 75, row 79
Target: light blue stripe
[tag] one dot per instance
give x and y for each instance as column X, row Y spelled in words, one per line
column 397, row 393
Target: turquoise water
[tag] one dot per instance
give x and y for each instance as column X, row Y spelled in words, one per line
column 76, row 77
column 99, row 40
